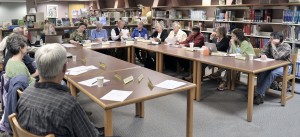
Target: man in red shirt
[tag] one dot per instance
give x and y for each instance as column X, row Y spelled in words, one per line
column 196, row 37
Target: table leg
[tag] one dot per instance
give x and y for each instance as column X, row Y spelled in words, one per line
column 228, row 75
column 73, row 90
column 195, row 78
column 250, row 96
column 157, row 61
column 137, row 109
column 142, row 110
column 233, row 79
column 133, row 55
column 284, row 85
column 161, row 62
column 108, row 130
column 199, row 81
column 189, row 115
column 128, row 54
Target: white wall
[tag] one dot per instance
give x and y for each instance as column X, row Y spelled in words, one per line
column 12, row 10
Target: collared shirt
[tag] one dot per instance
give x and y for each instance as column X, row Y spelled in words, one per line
column 136, row 32
column 180, row 35
column 115, row 36
column 98, row 34
column 280, row 52
column 49, row 108
column 77, row 37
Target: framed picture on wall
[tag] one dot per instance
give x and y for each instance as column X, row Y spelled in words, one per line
column 30, row 18
column 52, row 11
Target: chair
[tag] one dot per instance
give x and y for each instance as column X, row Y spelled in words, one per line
column 18, row 131
column 20, row 92
column 53, row 39
column 290, row 77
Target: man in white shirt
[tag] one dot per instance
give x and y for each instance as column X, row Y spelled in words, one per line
column 119, row 32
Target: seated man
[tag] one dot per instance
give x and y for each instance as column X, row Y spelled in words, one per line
column 275, row 49
column 142, row 32
column 120, row 33
column 99, row 32
column 196, row 37
column 47, row 106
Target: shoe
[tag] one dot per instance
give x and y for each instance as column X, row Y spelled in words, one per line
column 258, row 99
column 101, row 131
column 222, row 86
column 188, row 78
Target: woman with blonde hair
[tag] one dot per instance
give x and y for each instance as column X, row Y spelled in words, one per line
column 49, row 29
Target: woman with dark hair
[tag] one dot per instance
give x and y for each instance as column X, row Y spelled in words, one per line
column 196, row 37
column 16, row 45
column 239, row 44
column 78, row 35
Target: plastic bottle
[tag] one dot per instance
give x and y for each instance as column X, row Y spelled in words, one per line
column 41, row 42
column 146, row 36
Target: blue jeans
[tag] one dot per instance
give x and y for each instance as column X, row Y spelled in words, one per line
column 265, row 79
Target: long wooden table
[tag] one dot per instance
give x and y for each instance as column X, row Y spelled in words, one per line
column 141, row 93
column 250, row 67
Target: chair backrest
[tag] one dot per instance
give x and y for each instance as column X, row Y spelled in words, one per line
column 20, row 92
column 294, row 61
column 18, row 131
column 257, row 52
column 53, row 39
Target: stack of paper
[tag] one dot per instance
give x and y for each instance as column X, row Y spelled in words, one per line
column 267, row 60
column 68, row 45
column 80, row 70
column 91, row 82
column 116, row 95
column 170, row 84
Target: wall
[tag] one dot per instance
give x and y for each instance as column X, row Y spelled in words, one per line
column 63, row 7
column 12, row 10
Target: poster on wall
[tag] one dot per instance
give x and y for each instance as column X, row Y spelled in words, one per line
column 52, row 11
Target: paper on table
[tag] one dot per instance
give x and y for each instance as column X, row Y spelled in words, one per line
column 267, row 60
column 68, row 45
column 80, row 70
column 116, row 95
column 170, row 84
column 91, row 82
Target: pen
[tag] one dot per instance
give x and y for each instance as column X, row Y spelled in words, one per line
column 94, row 82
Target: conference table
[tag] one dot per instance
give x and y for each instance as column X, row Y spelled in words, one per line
column 251, row 67
column 141, row 91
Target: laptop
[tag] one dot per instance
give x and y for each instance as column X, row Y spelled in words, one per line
column 53, row 39
column 211, row 46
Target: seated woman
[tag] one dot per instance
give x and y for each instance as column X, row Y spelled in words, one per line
column 197, row 38
column 140, row 31
column 16, row 45
column 98, row 33
column 49, row 29
column 239, row 44
column 177, row 33
column 222, row 42
column 78, row 35
column 159, row 35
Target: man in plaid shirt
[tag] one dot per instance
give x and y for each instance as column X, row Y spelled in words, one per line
column 275, row 49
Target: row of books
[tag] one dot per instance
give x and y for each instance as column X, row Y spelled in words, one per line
column 291, row 16
column 198, row 14
column 292, row 32
column 221, row 15
column 259, row 42
column 258, row 15
column 229, row 26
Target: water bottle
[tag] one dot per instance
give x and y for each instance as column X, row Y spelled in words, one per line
column 41, row 42
column 238, row 50
column 139, row 35
column 146, row 37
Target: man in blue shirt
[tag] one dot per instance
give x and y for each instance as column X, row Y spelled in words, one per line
column 98, row 33
column 139, row 31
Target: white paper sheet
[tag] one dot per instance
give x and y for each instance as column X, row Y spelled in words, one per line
column 68, row 45
column 267, row 60
column 80, row 70
column 116, row 95
column 170, row 84
column 92, row 82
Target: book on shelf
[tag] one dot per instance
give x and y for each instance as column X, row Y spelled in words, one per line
column 259, row 42
column 290, row 16
column 206, row 2
column 198, row 14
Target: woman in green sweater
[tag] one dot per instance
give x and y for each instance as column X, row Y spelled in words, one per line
column 16, row 45
column 239, row 44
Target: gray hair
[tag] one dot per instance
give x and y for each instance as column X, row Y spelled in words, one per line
column 176, row 24
column 15, row 42
column 17, row 30
column 50, row 60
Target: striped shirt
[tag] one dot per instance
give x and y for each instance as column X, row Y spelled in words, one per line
column 280, row 52
column 46, row 108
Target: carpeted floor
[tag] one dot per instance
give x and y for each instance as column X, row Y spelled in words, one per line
column 219, row 114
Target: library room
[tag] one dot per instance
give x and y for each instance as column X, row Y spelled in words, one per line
column 149, row 68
